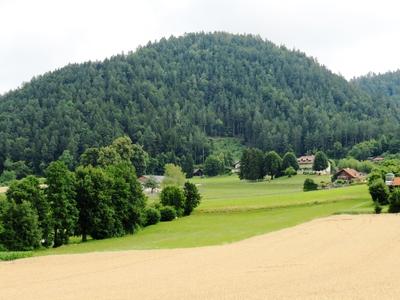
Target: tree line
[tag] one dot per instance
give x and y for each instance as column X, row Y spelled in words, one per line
column 101, row 198
column 255, row 164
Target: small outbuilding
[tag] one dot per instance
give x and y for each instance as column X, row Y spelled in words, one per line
column 198, row 172
column 236, row 167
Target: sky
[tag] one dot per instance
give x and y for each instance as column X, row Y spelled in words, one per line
column 351, row 38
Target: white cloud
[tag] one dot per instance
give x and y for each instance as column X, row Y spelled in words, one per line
column 349, row 37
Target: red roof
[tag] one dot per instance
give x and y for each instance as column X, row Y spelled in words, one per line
column 306, row 159
column 351, row 172
column 396, row 181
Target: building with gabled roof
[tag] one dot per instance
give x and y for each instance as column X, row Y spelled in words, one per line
column 349, row 174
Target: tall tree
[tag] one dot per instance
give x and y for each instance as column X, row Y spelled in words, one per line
column 188, row 166
column 290, row 160
column 213, row 166
column 29, row 190
column 273, row 164
column 173, row 175
column 140, row 159
column 127, row 198
column 321, row 161
column 93, row 195
column 61, row 196
column 252, row 164
column 192, row 197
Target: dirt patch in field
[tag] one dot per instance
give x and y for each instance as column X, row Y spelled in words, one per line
column 340, row 257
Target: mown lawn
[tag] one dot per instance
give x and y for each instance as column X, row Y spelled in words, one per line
column 233, row 210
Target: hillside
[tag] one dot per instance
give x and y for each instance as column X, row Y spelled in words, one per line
column 172, row 95
column 386, row 85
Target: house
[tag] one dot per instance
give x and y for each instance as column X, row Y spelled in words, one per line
column 349, row 174
column 198, row 172
column 306, row 163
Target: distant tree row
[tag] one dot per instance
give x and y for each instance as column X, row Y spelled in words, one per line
column 255, row 165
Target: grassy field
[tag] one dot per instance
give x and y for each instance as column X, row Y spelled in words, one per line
column 233, row 210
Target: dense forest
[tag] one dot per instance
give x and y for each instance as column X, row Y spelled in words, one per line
column 385, row 85
column 170, row 96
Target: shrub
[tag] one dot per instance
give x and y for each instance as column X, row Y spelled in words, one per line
column 394, row 201
column 168, row 213
column 309, row 185
column 173, row 196
column 377, row 208
column 289, row 172
column 379, row 192
column 152, row 216
column 340, row 182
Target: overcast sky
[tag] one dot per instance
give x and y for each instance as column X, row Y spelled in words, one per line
column 349, row 37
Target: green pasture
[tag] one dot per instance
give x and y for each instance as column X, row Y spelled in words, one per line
column 233, row 210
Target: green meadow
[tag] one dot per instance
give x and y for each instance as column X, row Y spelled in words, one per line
column 232, row 210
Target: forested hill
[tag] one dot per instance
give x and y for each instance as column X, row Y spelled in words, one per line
column 171, row 95
column 386, row 85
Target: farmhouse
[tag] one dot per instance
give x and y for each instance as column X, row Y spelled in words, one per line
column 306, row 165
column 349, row 174
column 306, row 162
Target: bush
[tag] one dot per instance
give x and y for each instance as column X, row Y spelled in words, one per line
column 394, row 201
column 379, row 192
column 340, row 182
column 289, row 172
column 378, row 209
column 309, row 185
column 152, row 216
column 168, row 213
column 173, row 196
